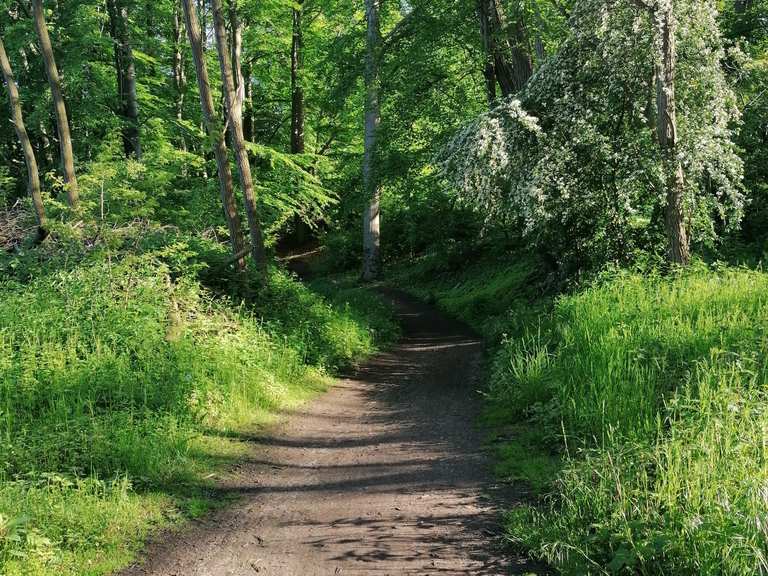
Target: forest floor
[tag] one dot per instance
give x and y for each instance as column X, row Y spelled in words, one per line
column 385, row 474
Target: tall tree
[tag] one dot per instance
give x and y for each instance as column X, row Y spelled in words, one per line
column 236, row 31
column 215, row 132
column 297, row 89
column 126, row 76
column 677, row 236
column 372, row 216
column 508, row 59
column 234, row 110
column 662, row 14
column 489, row 49
column 179, row 74
column 33, row 176
column 60, row 109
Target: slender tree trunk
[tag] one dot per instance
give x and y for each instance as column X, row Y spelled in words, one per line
column 371, row 217
column 677, row 237
column 215, row 132
column 541, row 53
column 297, row 88
column 126, row 77
column 236, row 133
column 489, row 49
column 203, row 25
column 247, row 104
column 33, row 175
column 60, row 109
column 236, row 30
column 179, row 75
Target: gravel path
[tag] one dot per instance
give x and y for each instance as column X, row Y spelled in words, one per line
column 382, row 475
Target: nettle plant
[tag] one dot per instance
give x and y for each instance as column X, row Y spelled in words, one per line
column 573, row 161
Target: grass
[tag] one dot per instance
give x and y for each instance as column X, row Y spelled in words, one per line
column 635, row 409
column 121, row 382
column 659, row 385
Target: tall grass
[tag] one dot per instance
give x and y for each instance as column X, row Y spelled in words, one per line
column 660, row 387
column 119, row 381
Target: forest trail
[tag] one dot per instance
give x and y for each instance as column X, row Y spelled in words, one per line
column 384, row 475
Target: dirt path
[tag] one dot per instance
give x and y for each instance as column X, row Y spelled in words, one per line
column 383, row 475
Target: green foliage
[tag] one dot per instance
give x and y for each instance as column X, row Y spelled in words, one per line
column 658, row 386
column 114, row 375
column 496, row 294
column 572, row 162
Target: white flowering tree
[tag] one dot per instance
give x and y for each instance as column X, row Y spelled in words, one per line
column 588, row 161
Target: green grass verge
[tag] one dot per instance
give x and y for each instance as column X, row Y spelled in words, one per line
column 121, row 384
column 635, row 409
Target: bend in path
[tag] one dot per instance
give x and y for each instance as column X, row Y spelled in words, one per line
column 384, row 475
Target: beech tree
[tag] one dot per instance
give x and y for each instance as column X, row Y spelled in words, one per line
column 297, row 89
column 235, row 123
column 179, row 73
column 17, row 116
column 215, row 132
column 126, row 76
column 59, row 107
column 371, row 187
column 667, row 132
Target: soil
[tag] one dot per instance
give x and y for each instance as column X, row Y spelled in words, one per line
column 383, row 475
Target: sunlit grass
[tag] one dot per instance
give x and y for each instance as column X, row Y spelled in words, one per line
column 122, row 389
column 659, row 385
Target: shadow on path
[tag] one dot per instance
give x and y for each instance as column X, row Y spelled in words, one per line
column 382, row 475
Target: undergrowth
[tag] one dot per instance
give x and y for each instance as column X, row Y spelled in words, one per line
column 122, row 380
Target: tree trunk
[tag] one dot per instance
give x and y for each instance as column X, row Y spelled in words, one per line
column 514, row 66
column 126, row 77
column 677, row 237
column 203, row 25
column 236, row 29
column 489, row 49
column 179, row 75
column 236, row 133
column 33, row 175
column 371, row 218
column 215, row 132
column 541, row 53
column 741, row 6
column 247, row 104
column 297, row 89
column 508, row 60
column 60, row 109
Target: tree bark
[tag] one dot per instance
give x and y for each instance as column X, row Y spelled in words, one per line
column 179, row 75
column 486, row 36
column 514, row 66
column 371, row 217
column 508, row 61
column 215, row 132
column 33, row 175
column 247, row 104
column 126, row 77
column 236, row 133
column 297, row 89
column 60, row 109
column 236, row 29
column 677, row 238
